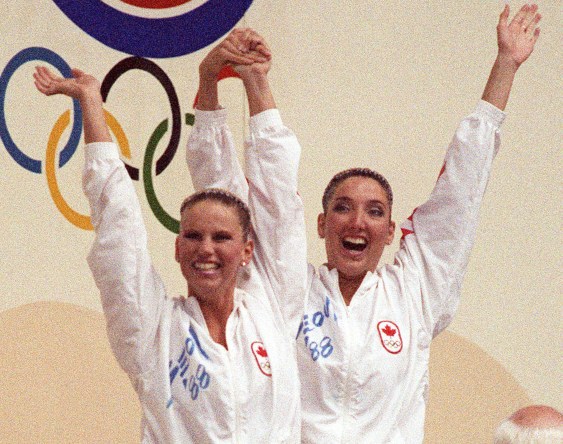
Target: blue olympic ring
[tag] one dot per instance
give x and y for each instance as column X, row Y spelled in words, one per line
column 155, row 37
column 46, row 55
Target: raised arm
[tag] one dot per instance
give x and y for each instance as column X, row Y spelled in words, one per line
column 515, row 44
column 211, row 154
column 272, row 161
column 438, row 237
column 255, row 76
column 132, row 294
column 272, row 158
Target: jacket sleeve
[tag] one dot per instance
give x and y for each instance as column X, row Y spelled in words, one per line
column 438, row 236
column 212, row 157
column 272, row 162
column 131, row 291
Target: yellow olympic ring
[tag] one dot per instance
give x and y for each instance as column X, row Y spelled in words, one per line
column 77, row 219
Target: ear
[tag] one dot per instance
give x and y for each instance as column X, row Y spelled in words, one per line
column 176, row 253
column 390, row 233
column 247, row 251
column 321, row 219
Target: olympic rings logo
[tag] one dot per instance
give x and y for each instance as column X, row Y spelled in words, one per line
column 155, row 37
column 62, row 123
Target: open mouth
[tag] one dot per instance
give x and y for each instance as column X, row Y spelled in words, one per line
column 205, row 266
column 354, row 243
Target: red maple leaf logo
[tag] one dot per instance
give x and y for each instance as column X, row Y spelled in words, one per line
column 388, row 330
column 262, row 352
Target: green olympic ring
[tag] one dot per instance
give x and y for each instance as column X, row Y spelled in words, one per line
column 160, row 213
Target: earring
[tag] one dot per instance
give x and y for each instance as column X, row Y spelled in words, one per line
column 243, row 264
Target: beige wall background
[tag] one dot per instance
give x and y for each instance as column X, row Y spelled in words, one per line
column 378, row 84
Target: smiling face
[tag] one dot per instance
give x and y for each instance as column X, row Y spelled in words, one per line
column 356, row 226
column 210, row 248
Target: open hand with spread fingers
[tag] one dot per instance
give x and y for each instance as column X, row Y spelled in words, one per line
column 516, row 39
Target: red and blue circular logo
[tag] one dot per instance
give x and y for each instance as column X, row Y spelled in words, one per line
column 155, row 28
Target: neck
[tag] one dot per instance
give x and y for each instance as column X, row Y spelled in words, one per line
column 216, row 312
column 349, row 286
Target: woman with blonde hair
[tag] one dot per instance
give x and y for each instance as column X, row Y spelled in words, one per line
column 220, row 365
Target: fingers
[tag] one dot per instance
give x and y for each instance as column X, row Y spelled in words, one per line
column 263, row 49
column 242, row 36
column 231, row 54
column 530, row 16
column 43, row 79
column 257, row 43
column 248, row 41
column 77, row 73
column 40, row 87
column 243, row 46
column 523, row 24
column 44, row 74
column 532, row 24
column 536, row 35
column 503, row 19
column 520, row 16
column 526, row 21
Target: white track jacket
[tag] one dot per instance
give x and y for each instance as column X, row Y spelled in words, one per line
column 364, row 367
column 191, row 389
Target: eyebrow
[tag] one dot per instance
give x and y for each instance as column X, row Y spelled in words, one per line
column 369, row 202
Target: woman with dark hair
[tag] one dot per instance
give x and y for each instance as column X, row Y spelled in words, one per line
column 364, row 340
column 220, row 365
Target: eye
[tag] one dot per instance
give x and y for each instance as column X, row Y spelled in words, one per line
column 376, row 212
column 192, row 235
column 340, row 208
column 222, row 237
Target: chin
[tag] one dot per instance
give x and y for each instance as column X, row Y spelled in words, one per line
column 352, row 270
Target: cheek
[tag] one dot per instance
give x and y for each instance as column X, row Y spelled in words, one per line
column 183, row 250
column 333, row 224
column 233, row 255
column 382, row 231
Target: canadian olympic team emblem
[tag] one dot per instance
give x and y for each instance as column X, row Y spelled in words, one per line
column 390, row 336
column 261, row 356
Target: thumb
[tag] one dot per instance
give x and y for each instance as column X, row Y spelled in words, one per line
column 77, row 73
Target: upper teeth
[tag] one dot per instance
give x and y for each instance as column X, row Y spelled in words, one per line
column 355, row 240
column 205, row 265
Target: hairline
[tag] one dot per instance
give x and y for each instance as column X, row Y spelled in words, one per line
column 228, row 200
column 367, row 173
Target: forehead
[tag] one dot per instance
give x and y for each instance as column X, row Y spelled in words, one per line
column 360, row 189
column 210, row 214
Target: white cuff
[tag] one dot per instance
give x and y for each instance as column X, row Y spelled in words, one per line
column 270, row 117
column 210, row 118
column 101, row 150
column 486, row 109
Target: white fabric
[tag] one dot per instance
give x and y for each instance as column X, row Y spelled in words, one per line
column 364, row 367
column 191, row 389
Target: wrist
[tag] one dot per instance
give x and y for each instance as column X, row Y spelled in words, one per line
column 255, row 79
column 90, row 98
column 208, row 96
column 208, row 79
column 506, row 64
column 207, row 75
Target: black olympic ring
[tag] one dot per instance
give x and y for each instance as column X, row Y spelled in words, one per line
column 152, row 68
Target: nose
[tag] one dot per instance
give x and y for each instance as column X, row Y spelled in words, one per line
column 205, row 247
column 358, row 219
